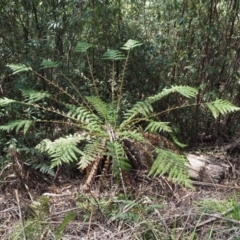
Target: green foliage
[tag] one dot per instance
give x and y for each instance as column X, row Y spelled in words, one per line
column 174, row 165
column 18, row 68
column 31, row 95
column 82, row 47
column 17, row 125
column 62, row 150
column 103, row 128
column 130, row 44
column 155, row 127
column 48, row 64
column 221, row 107
column 113, row 55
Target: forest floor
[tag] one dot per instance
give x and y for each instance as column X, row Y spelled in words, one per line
column 44, row 208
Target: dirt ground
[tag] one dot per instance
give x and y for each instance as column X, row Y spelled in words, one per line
column 47, row 208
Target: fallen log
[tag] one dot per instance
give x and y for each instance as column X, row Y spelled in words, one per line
column 202, row 168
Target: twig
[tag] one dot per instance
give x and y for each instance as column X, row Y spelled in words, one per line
column 213, row 218
column 20, row 215
column 184, row 227
column 213, row 185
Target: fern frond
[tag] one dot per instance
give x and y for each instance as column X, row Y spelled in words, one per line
column 142, row 107
column 186, row 91
column 155, row 127
column 6, row 101
column 105, row 110
column 82, row 47
column 113, row 55
column 31, row 95
column 62, row 150
column 81, row 114
column 49, row 64
column 44, row 168
column 91, row 152
column 17, row 68
column 172, row 164
column 130, row 44
column 177, row 143
column 119, row 159
column 221, row 107
column 133, row 135
column 25, row 124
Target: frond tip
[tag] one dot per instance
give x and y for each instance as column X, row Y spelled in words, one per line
column 172, row 164
column 17, row 68
column 62, row 150
column 17, row 125
column 221, row 107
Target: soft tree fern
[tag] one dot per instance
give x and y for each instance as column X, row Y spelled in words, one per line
column 104, row 130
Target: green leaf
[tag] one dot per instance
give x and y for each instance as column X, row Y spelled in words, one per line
column 6, row 101
column 130, row 44
column 119, row 159
column 155, row 127
column 174, row 165
column 221, row 107
column 186, row 91
column 32, row 96
column 62, row 150
column 82, row 47
column 113, row 55
column 17, row 68
column 49, row 64
column 25, row 124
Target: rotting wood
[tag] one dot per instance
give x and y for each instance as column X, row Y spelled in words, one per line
column 202, row 168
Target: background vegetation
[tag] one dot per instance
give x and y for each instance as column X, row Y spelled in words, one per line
column 193, row 43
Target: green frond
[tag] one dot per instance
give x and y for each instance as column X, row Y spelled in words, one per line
column 155, row 127
column 105, row 110
column 17, row 68
column 31, row 95
column 142, row 107
column 119, row 158
column 6, row 101
column 62, row 150
column 186, row 91
column 177, row 143
column 25, row 124
column 49, row 64
column 82, row 47
column 44, row 168
column 172, row 164
column 113, row 55
column 83, row 115
column 133, row 135
column 221, row 107
column 130, row 44
column 91, row 152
